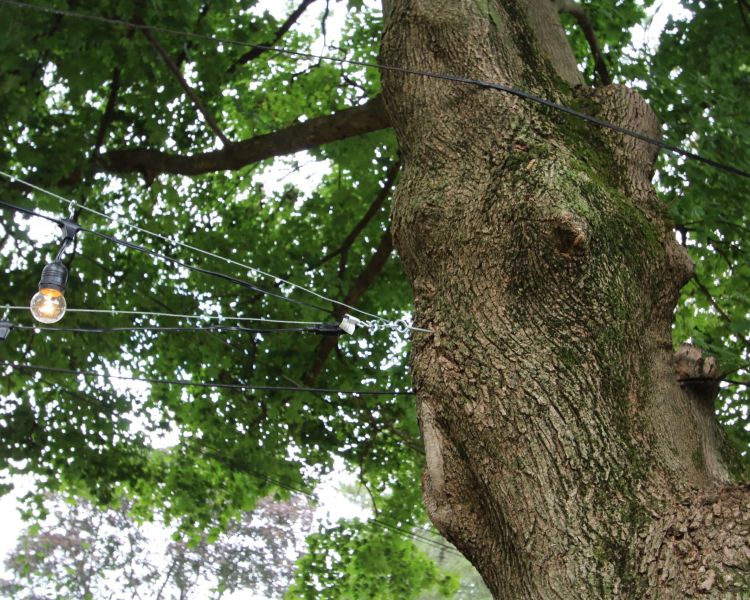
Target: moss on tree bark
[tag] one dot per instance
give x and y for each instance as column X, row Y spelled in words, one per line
column 565, row 459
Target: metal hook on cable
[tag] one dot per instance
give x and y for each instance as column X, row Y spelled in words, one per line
column 401, row 326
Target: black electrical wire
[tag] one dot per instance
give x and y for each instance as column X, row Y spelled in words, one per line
column 421, row 535
column 319, row 328
column 203, row 384
column 165, row 257
column 454, row 78
column 29, row 212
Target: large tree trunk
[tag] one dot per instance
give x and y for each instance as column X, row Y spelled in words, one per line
column 564, row 459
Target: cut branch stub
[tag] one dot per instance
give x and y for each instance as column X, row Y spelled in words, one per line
column 700, row 374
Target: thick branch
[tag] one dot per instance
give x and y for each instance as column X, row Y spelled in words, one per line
column 323, row 20
column 364, row 281
column 300, row 136
column 579, row 14
column 192, row 94
column 280, row 32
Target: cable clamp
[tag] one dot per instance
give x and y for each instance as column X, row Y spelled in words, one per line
column 5, row 328
column 401, row 326
column 328, row 329
column 70, row 229
column 349, row 324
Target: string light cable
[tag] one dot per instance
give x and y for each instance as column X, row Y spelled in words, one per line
column 150, row 314
column 204, row 384
column 348, row 324
column 159, row 255
column 326, row 329
column 391, row 68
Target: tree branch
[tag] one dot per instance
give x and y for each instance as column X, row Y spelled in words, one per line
column 183, row 55
column 192, row 94
column 343, row 249
column 364, row 281
column 579, row 14
column 286, row 26
column 323, row 20
column 300, row 136
column 744, row 6
column 109, row 111
column 714, row 380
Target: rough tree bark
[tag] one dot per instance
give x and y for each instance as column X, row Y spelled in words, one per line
column 564, row 457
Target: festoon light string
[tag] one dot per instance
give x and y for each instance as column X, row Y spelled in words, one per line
column 348, row 323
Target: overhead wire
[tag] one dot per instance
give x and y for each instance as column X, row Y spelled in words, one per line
column 395, row 69
column 196, row 269
column 320, row 329
column 141, row 313
column 204, row 384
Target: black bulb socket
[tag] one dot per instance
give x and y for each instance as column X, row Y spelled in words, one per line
column 54, row 276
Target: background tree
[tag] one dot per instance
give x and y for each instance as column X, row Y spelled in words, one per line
column 83, row 552
column 564, row 457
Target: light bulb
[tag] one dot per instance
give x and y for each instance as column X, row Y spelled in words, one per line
column 48, row 305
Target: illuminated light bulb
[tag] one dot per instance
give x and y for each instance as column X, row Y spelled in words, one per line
column 48, row 304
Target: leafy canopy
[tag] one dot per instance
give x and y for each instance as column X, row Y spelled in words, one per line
column 74, row 91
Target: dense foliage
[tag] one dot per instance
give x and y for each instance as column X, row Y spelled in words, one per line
column 74, row 91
